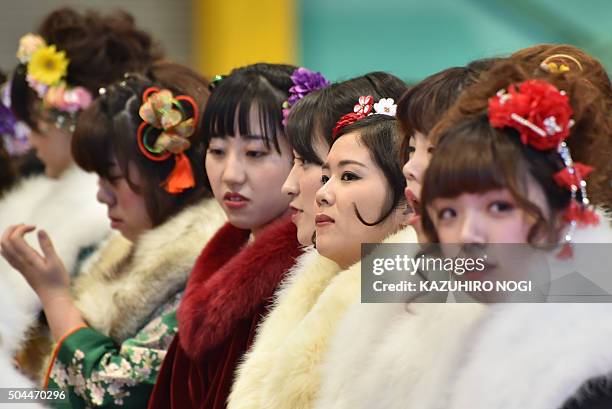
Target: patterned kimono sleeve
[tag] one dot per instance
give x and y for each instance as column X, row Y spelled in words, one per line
column 96, row 372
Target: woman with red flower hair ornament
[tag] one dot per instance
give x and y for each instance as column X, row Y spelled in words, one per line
column 497, row 183
column 536, row 193
column 364, row 325
column 361, row 202
column 560, row 61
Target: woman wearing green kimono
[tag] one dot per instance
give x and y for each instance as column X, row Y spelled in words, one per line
column 113, row 324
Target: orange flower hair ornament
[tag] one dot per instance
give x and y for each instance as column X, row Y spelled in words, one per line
column 165, row 132
column 542, row 116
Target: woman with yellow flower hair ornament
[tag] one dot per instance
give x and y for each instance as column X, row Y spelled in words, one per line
column 60, row 68
column 114, row 322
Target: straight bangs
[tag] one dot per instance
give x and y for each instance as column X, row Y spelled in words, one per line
column 229, row 110
column 304, row 127
column 472, row 158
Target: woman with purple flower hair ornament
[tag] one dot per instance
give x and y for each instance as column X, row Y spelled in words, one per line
column 60, row 70
column 232, row 283
column 304, row 82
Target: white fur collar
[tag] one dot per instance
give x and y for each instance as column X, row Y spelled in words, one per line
column 390, row 356
column 288, row 341
column 542, row 353
column 68, row 210
column 533, row 356
column 124, row 284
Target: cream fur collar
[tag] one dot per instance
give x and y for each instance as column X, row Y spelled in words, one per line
column 282, row 370
column 123, row 284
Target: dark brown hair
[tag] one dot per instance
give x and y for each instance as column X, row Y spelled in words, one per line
column 473, row 157
column 316, row 114
column 101, row 48
column 8, row 175
column 424, row 104
column 108, row 128
column 380, row 135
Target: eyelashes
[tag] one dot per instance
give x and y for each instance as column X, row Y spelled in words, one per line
column 349, row 176
column 345, row 177
column 496, row 207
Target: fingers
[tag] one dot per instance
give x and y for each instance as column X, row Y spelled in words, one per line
column 17, row 251
column 7, row 233
column 46, row 245
column 6, row 246
column 6, row 243
column 20, row 245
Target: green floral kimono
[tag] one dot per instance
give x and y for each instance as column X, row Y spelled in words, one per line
column 96, row 372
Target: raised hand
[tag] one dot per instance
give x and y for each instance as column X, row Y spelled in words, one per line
column 45, row 273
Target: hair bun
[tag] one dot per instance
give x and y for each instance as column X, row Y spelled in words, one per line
column 111, row 43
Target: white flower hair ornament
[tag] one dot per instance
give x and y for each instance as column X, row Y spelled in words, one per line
column 385, row 106
column 365, row 107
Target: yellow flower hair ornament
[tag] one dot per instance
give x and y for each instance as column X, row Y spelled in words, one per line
column 46, row 69
column 165, row 131
column 47, row 65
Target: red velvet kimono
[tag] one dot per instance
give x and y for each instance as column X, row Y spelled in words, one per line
column 228, row 292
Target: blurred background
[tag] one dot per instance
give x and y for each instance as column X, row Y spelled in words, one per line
column 341, row 38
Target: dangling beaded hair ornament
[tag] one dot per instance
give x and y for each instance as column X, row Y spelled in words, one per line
column 164, row 132
column 364, row 107
column 304, row 82
column 542, row 116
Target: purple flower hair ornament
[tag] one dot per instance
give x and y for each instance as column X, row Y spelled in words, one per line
column 304, row 82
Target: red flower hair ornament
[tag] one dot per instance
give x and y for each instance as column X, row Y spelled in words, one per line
column 536, row 109
column 543, row 117
column 364, row 107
